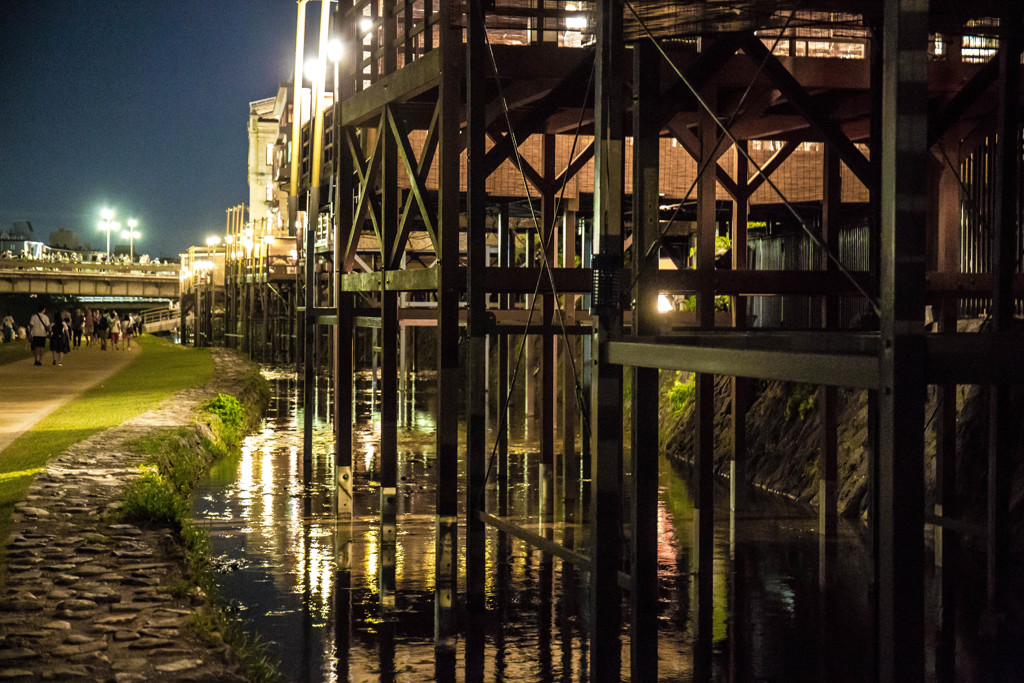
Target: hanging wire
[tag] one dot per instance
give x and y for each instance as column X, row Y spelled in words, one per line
column 725, row 130
column 703, row 165
column 546, row 265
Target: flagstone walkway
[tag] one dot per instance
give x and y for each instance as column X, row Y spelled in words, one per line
column 87, row 598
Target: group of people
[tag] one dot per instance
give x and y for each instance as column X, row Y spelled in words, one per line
column 67, row 330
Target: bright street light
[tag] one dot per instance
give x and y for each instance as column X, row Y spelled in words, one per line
column 107, row 225
column 335, row 50
column 212, row 241
column 130, row 234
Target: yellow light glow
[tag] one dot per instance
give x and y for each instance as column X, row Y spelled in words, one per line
column 664, row 305
column 335, row 50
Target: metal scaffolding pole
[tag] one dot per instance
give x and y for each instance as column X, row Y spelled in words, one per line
column 606, row 397
column 899, row 519
column 643, row 567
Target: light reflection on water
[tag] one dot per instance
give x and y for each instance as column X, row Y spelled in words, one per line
column 283, row 563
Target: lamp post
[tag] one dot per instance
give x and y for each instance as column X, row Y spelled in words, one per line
column 108, row 225
column 130, row 234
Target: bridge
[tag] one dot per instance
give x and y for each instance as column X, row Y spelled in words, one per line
column 135, row 280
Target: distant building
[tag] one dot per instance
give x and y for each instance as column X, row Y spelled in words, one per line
column 264, row 126
column 19, row 230
column 65, row 239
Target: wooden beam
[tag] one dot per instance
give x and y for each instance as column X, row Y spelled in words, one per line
column 801, row 99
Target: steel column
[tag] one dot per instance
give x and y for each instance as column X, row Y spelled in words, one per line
column 704, row 398
column 643, row 569
column 828, row 516
column 740, row 388
column 606, row 398
column 446, row 566
column 1003, row 424
column 476, row 379
column 899, row 522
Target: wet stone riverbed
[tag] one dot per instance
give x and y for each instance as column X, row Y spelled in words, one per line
column 291, row 573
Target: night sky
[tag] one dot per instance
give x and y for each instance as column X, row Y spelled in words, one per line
column 137, row 105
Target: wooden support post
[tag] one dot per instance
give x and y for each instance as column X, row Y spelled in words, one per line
column 828, row 515
column 547, row 351
column 1003, row 424
column 446, row 552
column 704, row 399
column 476, row 418
column 390, row 208
column 643, row 566
column 312, row 218
column 606, row 399
column 506, row 256
column 945, row 188
column 530, row 362
column 570, row 458
column 344, row 364
column 899, row 521
column 740, row 388
column 586, row 368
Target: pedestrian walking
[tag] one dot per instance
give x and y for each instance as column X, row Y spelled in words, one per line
column 89, row 325
column 77, row 328
column 114, row 327
column 60, row 341
column 127, row 331
column 38, row 330
column 102, row 322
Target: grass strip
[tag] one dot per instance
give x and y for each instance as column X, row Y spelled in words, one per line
column 14, row 351
column 177, row 459
column 161, row 370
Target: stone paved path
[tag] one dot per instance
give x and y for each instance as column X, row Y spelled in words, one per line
column 88, row 599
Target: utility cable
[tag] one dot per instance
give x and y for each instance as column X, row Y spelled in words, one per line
column 725, row 130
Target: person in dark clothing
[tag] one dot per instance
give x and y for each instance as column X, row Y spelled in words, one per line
column 60, row 341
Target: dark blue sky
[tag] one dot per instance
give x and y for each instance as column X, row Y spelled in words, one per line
column 139, row 105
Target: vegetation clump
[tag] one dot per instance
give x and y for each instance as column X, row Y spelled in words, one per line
column 801, row 401
column 177, row 459
column 681, row 393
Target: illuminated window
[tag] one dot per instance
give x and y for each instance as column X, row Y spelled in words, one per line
column 270, row 154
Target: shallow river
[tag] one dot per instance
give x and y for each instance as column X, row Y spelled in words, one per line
column 277, row 547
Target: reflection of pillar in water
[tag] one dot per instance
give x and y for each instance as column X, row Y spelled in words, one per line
column 388, row 539
column 476, row 631
column 737, row 612
column 446, row 583
column 501, row 604
column 545, row 586
column 343, row 597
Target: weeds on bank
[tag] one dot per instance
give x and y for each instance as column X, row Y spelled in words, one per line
column 176, row 461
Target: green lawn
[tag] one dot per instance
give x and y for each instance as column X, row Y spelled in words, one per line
column 15, row 350
column 161, row 370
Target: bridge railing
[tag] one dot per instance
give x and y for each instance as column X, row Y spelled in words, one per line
column 168, row 270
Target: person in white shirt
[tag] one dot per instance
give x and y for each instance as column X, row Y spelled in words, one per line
column 38, row 331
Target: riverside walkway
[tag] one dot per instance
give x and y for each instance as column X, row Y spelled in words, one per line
column 86, row 598
column 30, row 393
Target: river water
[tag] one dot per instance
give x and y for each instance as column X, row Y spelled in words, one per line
column 281, row 567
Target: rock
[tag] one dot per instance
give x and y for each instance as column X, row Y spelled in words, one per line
column 58, row 625
column 179, row 665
